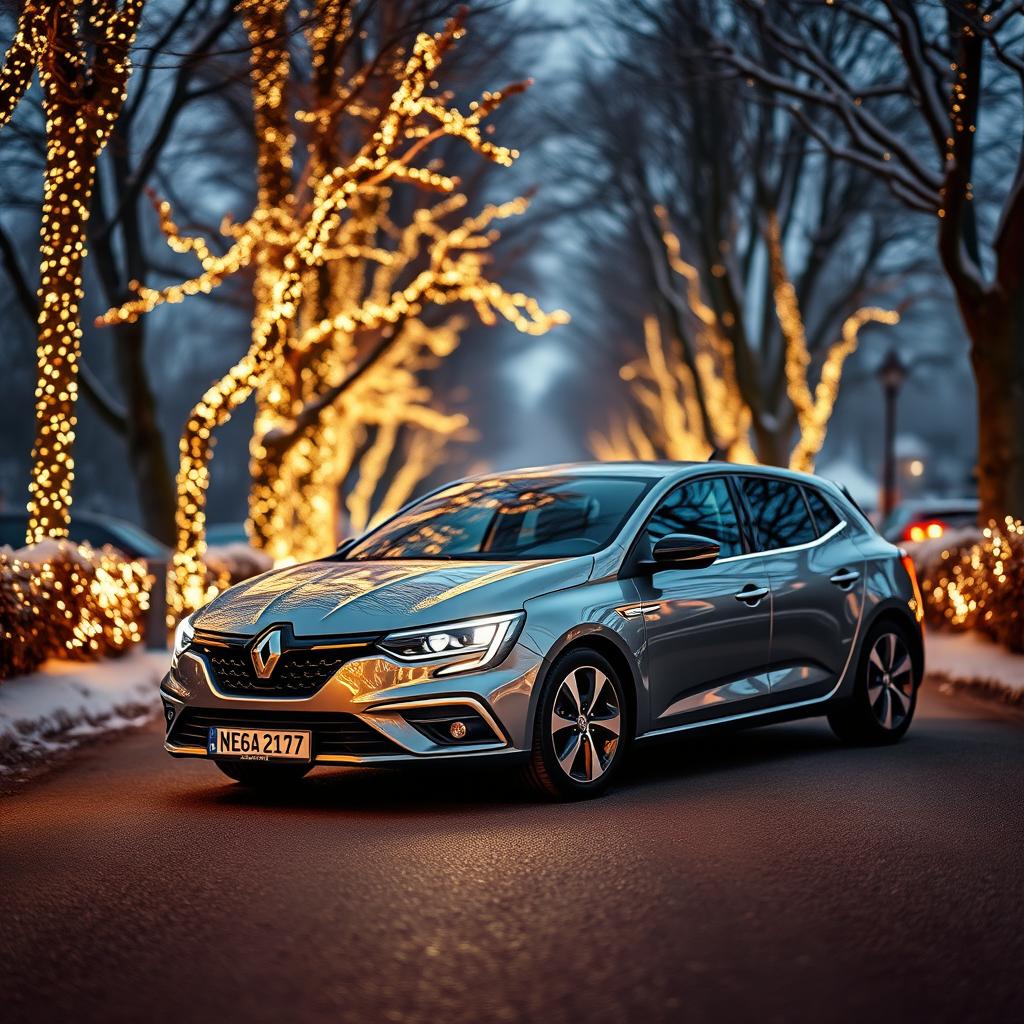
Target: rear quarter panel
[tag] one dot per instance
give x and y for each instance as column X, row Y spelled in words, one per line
column 888, row 590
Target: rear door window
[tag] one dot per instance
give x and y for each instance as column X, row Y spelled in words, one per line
column 780, row 516
column 703, row 507
column 825, row 516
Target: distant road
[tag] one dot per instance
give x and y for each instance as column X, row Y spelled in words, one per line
column 771, row 875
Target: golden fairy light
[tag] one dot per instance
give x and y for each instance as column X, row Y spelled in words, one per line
column 338, row 285
column 81, row 55
column 670, row 421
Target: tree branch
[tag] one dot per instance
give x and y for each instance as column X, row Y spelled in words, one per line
column 907, row 191
column 19, row 61
column 279, row 440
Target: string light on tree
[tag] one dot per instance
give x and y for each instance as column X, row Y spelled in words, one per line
column 315, row 335
column 813, row 410
column 81, row 55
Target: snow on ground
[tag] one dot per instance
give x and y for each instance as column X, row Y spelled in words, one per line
column 971, row 660
column 66, row 702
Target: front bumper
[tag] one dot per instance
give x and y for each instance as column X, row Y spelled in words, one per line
column 373, row 710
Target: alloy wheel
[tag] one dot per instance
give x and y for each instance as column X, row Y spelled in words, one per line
column 890, row 681
column 586, row 722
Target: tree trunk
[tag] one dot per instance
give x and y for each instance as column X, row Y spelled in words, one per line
column 995, row 322
column 772, row 442
column 68, row 186
column 154, row 480
column 151, row 471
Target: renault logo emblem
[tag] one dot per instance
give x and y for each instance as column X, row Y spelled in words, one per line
column 266, row 652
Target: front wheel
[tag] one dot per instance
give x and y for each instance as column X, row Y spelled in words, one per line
column 885, row 693
column 580, row 729
column 263, row 776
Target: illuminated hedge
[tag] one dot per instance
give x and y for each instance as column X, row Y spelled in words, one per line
column 979, row 584
column 59, row 599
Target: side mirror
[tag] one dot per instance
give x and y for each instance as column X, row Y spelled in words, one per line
column 683, row 551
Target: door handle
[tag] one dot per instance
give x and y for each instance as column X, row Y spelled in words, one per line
column 844, row 578
column 750, row 595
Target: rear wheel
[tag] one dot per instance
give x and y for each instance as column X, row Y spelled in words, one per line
column 580, row 729
column 263, row 776
column 885, row 694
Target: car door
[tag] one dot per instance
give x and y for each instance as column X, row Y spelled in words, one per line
column 708, row 630
column 815, row 572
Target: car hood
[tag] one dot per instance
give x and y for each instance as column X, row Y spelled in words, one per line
column 331, row 598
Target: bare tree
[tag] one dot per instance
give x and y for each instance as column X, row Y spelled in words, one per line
column 754, row 250
column 956, row 67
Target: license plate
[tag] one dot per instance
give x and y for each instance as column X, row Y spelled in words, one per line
column 259, row 744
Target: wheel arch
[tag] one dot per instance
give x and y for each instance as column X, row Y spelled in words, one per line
column 896, row 613
column 609, row 646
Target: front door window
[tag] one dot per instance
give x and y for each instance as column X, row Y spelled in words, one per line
column 703, row 507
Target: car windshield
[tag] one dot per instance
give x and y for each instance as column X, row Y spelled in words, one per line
column 508, row 517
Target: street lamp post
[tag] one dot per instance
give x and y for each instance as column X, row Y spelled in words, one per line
column 891, row 374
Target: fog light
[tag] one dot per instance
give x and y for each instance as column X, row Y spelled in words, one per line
column 451, row 725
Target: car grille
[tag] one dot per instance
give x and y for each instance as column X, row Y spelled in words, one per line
column 299, row 673
column 333, row 732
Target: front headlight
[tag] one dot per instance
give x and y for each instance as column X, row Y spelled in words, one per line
column 490, row 639
column 183, row 636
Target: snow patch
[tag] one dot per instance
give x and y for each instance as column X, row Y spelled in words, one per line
column 65, row 703
column 972, row 660
column 236, row 562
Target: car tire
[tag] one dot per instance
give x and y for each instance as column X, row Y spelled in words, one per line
column 264, row 776
column 881, row 707
column 576, row 760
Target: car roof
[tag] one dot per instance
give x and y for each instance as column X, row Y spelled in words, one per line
column 660, row 470
column 941, row 504
column 651, row 470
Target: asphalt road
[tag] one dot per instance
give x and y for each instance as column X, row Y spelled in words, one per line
column 768, row 875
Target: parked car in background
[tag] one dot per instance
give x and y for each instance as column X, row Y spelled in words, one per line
column 223, row 534
column 929, row 518
column 94, row 529
column 551, row 617
column 98, row 530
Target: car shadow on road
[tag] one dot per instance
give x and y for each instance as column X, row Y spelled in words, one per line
column 462, row 788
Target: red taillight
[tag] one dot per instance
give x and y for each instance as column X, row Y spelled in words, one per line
column 924, row 529
column 918, row 602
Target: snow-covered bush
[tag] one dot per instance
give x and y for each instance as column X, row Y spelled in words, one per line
column 60, row 599
column 974, row 579
column 232, row 563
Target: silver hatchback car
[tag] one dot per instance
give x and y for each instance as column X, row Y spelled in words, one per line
column 551, row 617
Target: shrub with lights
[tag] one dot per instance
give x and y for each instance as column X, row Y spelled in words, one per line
column 978, row 583
column 64, row 600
